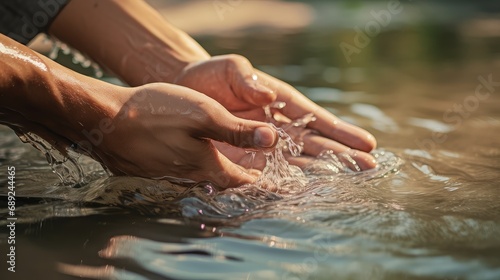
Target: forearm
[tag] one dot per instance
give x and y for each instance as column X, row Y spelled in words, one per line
column 129, row 38
column 38, row 95
column 26, row 85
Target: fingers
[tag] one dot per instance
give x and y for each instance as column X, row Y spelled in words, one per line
column 229, row 174
column 246, row 83
column 315, row 144
column 343, row 132
column 258, row 161
column 326, row 123
column 332, row 127
column 217, row 168
column 206, row 163
column 225, row 127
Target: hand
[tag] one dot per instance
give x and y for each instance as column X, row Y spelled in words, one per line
column 163, row 131
column 169, row 55
column 243, row 90
column 154, row 131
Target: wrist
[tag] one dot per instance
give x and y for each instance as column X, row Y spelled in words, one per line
column 83, row 104
column 166, row 56
column 69, row 104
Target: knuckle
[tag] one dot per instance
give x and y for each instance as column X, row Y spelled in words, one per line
column 236, row 59
column 236, row 134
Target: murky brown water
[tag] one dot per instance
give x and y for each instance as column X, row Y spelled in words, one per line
column 431, row 212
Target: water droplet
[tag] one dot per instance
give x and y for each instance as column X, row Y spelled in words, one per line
column 66, row 167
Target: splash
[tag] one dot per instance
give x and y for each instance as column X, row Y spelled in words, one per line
column 279, row 175
column 83, row 180
column 66, row 167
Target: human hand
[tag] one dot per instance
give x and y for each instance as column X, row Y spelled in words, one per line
column 154, row 131
column 169, row 55
column 163, row 131
column 243, row 90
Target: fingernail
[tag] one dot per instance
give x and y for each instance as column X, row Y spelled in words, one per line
column 262, row 94
column 255, row 172
column 262, row 88
column 264, row 137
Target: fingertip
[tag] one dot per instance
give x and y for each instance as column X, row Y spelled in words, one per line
column 255, row 172
column 241, row 177
column 370, row 144
column 354, row 137
column 265, row 137
column 263, row 95
column 256, row 92
column 367, row 164
column 231, row 175
column 363, row 160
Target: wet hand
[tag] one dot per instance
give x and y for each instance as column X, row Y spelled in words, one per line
column 164, row 131
column 243, row 90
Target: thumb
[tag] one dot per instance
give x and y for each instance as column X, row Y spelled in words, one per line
column 247, row 85
column 231, row 175
column 242, row 133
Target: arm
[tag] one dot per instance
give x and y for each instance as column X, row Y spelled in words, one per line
column 134, row 42
column 154, row 131
column 128, row 37
column 37, row 94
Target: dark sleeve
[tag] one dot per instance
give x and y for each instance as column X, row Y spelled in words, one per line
column 22, row 20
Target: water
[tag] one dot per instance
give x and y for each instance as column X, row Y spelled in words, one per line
column 423, row 214
column 431, row 210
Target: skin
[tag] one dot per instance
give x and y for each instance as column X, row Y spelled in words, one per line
column 152, row 131
column 197, row 126
column 134, row 42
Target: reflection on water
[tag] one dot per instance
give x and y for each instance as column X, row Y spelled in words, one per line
column 430, row 211
column 423, row 214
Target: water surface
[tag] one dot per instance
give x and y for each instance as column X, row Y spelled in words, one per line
column 431, row 211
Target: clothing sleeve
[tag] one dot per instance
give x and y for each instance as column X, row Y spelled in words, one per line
column 22, row 20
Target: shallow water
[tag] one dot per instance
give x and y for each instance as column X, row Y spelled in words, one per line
column 424, row 214
column 430, row 211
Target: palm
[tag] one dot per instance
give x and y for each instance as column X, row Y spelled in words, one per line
column 242, row 90
column 172, row 128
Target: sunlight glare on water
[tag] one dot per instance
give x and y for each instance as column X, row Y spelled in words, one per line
column 429, row 210
column 417, row 215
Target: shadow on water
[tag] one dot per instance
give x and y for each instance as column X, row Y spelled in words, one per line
column 430, row 211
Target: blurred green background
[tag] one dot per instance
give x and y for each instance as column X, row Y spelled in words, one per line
column 300, row 41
